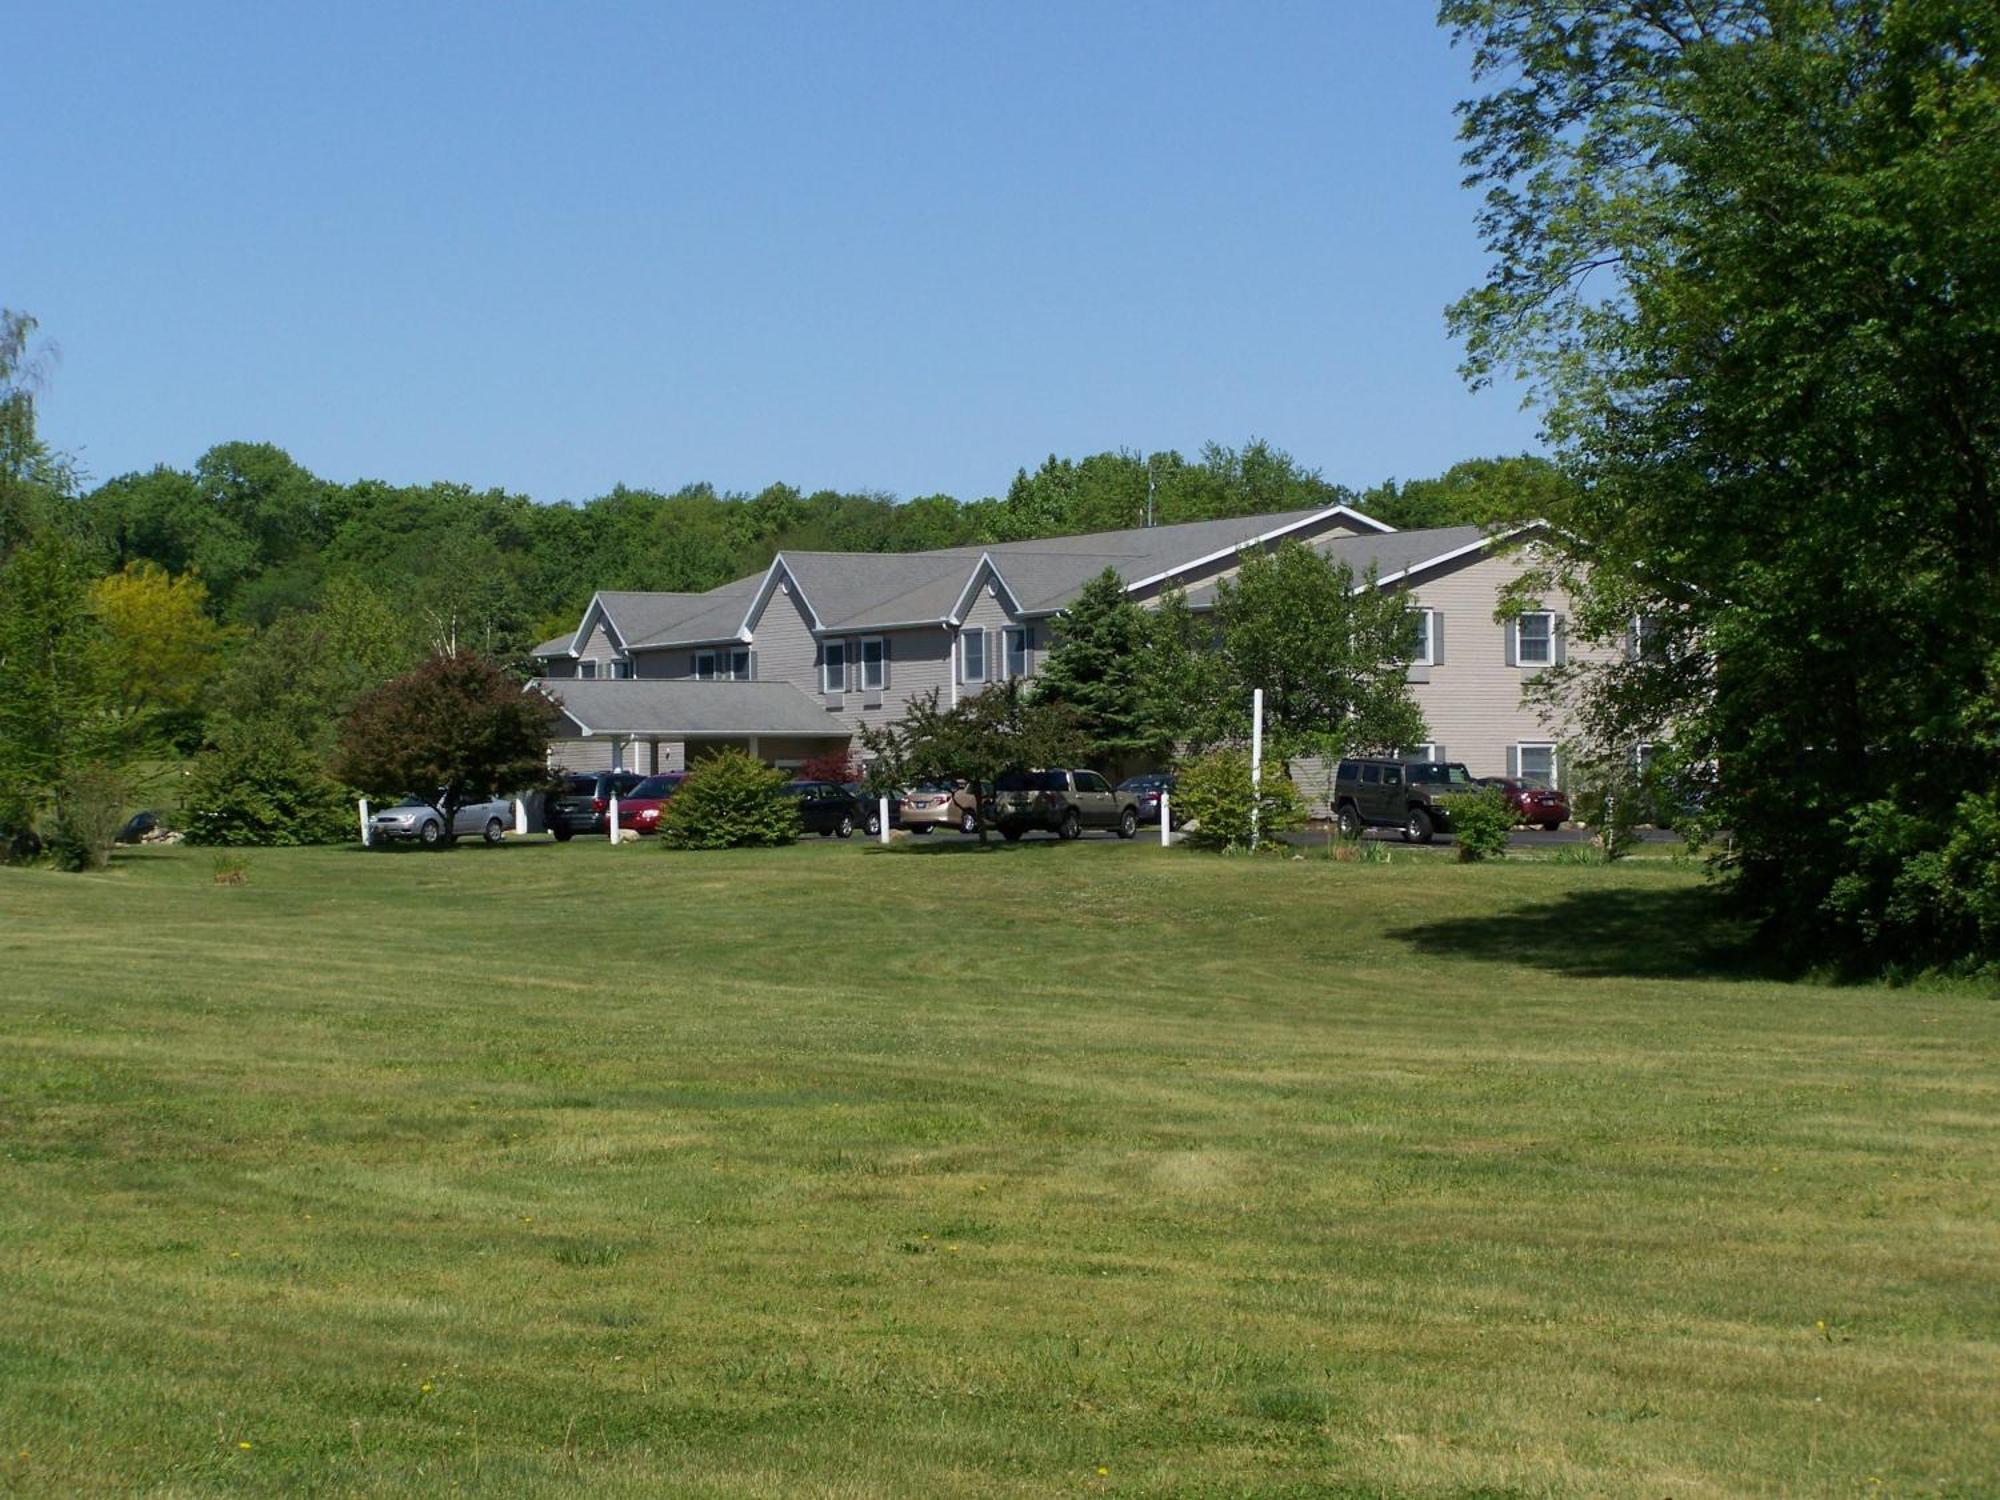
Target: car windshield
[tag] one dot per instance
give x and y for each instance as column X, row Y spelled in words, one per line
column 657, row 786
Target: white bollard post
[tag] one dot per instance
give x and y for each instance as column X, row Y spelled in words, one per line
column 614, row 819
column 1256, row 761
column 364, row 823
column 884, row 802
column 520, row 818
column 1166, row 816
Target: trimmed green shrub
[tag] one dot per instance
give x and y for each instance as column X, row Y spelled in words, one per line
column 1214, row 799
column 730, row 801
column 1480, row 823
column 259, row 786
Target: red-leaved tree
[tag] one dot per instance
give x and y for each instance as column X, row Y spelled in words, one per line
column 455, row 729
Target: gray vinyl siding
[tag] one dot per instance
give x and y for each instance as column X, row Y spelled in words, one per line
column 678, row 662
column 919, row 660
column 783, row 639
column 601, row 649
column 986, row 612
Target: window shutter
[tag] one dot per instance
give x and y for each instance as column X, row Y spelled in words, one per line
column 1514, row 762
column 753, row 663
column 694, row 665
column 1512, row 634
column 1559, row 638
column 1437, row 639
column 853, row 665
column 958, row 658
column 885, row 663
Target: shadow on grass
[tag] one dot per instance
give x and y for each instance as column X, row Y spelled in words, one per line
column 1626, row 933
column 966, row 846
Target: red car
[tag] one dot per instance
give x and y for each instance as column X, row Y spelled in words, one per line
column 1532, row 802
column 639, row 810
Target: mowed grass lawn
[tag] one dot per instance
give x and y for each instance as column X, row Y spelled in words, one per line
column 1090, row 1170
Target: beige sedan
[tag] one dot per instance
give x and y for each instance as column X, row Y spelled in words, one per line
column 935, row 805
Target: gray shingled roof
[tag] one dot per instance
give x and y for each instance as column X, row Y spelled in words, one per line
column 1388, row 554
column 676, row 708
column 860, row 590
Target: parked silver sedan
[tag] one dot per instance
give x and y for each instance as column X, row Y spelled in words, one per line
column 414, row 819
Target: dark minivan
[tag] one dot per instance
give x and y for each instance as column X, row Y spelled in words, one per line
column 581, row 802
column 1386, row 792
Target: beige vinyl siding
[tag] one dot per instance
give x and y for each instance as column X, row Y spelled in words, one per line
column 580, row 755
column 1472, row 700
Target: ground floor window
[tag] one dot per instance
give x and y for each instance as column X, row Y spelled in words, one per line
column 1537, row 763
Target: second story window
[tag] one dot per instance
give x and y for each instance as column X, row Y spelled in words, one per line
column 704, row 666
column 622, row 668
column 1014, row 646
column 1536, row 638
column 739, row 664
column 833, row 667
column 874, row 665
column 972, row 655
column 1423, row 638
column 587, row 668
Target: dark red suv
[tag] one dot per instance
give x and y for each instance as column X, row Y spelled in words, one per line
column 1532, row 802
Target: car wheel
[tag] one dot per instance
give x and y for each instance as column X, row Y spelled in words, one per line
column 1417, row 828
column 826, row 833
column 874, row 824
column 969, row 823
column 430, row 835
column 495, row 831
column 921, row 829
column 846, row 828
column 1554, row 827
column 563, row 833
column 1012, row 835
column 1071, row 826
column 1348, row 821
column 1128, row 824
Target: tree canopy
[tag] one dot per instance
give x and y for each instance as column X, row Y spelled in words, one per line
column 1748, row 254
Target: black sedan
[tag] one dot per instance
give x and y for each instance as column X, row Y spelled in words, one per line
column 825, row 808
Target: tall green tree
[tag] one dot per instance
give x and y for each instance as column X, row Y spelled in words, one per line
column 1097, row 671
column 32, row 476
column 1328, row 649
column 1748, row 255
column 57, row 717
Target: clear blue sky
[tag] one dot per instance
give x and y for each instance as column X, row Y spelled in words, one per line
column 909, row 247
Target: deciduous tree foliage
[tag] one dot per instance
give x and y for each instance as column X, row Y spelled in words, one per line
column 979, row 739
column 1749, row 254
column 162, row 651
column 1328, row 649
column 455, row 729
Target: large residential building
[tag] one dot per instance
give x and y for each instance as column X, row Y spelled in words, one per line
column 791, row 662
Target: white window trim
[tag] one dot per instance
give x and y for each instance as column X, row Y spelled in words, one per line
column 881, row 681
column 1427, row 751
column 1521, row 749
column 827, row 669
column 1008, row 635
column 1428, row 656
column 586, row 669
column 1521, row 639
column 707, row 659
column 964, row 671
column 621, row 669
